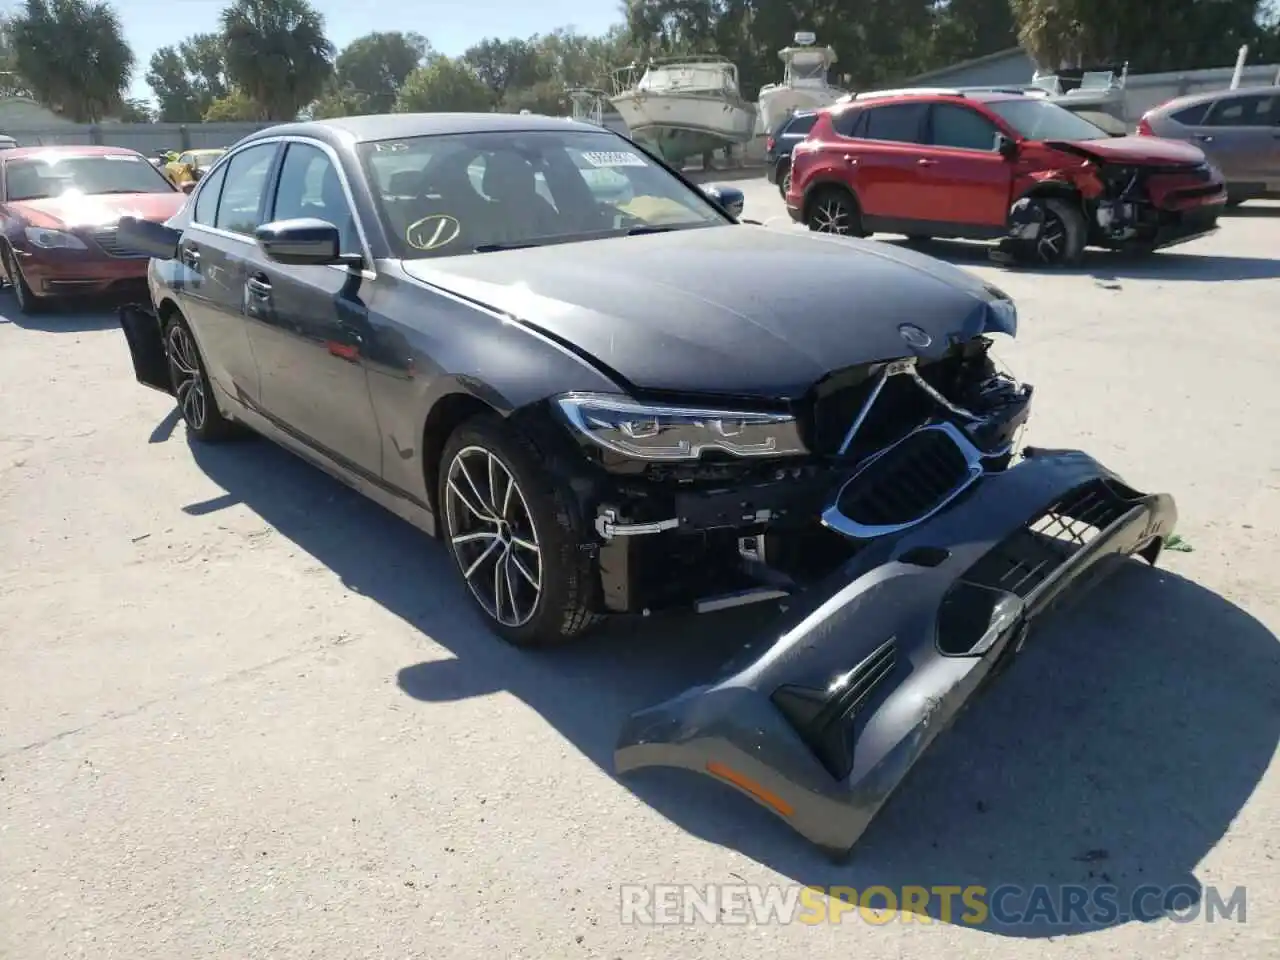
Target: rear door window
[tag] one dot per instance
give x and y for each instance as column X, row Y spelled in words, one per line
column 1246, row 111
column 800, row 126
column 850, row 123
column 896, row 123
column 1192, row 116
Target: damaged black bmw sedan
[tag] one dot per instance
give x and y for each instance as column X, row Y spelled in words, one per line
column 532, row 339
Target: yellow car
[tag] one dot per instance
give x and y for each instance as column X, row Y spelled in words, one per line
column 190, row 166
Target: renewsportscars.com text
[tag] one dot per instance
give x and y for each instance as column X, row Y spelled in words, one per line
column 1064, row 905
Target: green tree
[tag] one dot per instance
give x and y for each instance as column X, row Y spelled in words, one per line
column 72, row 55
column 277, row 54
column 235, row 106
column 1203, row 33
column 443, row 84
column 134, row 110
column 187, row 79
column 371, row 70
column 506, row 66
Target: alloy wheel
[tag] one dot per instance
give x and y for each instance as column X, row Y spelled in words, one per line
column 493, row 537
column 1052, row 242
column 188, row 381
column 831, row 216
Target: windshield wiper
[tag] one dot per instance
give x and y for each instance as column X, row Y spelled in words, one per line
column 650, row 228
column 495, row 247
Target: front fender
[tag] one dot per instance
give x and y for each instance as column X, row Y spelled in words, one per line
column 820, row 719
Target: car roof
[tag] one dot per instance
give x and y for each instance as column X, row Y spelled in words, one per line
column 928, row 96
column 1193, row 99
column 70, row 150
column 404, row 125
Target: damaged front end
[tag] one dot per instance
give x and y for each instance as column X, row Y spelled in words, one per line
column 869, row 451
column 1116, row 204
column 821, row 717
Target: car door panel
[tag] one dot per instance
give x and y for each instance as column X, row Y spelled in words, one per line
column 968, row 181
column 309, row 326
column 1237, row 135
column 211, row 264
column 888, row 160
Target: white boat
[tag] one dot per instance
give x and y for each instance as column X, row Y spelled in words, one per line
column 804, row 83
column 684, row 107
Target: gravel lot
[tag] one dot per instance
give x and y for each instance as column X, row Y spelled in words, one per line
column 245, row 714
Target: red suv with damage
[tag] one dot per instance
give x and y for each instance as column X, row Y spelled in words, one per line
column 1002, row 166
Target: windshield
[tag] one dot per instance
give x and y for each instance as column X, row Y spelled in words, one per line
column 441, row 196
column 1039, row 120
column 39, row 178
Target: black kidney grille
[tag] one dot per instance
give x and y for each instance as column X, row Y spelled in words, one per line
column 109, row 241
column 907, row 482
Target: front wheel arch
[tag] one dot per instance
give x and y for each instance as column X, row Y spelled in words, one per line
column 446, row 415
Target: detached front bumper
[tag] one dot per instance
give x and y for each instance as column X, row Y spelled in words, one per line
column 820, row 719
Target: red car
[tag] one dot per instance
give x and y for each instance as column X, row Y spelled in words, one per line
column 998, row 166
column 59, row 209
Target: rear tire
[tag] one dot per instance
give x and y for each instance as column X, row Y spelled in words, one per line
column 192, row 388
column 784, row 178
column 833, row 210
column 508, row 523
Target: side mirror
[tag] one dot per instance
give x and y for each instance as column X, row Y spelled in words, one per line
column 1007, row 147
column 728, row 199
column 304, row 242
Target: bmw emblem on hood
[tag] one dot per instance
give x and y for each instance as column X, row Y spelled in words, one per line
column 914, row 336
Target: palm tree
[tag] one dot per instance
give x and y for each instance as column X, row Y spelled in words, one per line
column 277, row 54
column 72, row 56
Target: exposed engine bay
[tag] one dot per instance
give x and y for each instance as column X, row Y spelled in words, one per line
column 887, row 446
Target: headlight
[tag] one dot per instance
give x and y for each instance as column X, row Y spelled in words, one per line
column 53, row 239
column 659, row 432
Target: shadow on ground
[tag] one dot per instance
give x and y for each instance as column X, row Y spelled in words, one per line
column 75, row 316
column 1116, row 753
column 1168, row 265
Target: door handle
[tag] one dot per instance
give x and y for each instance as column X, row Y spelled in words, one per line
column 259, row 287
column 925, row 163
column 1204, row 138
column 851, row 159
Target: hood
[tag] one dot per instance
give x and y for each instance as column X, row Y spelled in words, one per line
column 736, row 310
column 94, row 211
column 1134, row 151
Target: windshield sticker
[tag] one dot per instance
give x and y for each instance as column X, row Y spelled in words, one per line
column 623, row 158
column 433, row 232
column 390, row 147
column 121, row 156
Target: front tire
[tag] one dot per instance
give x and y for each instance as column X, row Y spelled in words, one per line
column 833, row 210
column 28, row 302
column 516, row 542
column 1062, row 236
column 192, row 388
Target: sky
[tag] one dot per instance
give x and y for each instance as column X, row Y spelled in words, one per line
column 451, row 25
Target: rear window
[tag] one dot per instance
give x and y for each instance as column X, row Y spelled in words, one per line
column 800, row 125
column 1191, row 116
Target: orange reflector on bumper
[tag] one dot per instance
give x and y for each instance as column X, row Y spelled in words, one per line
column 767, row 797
